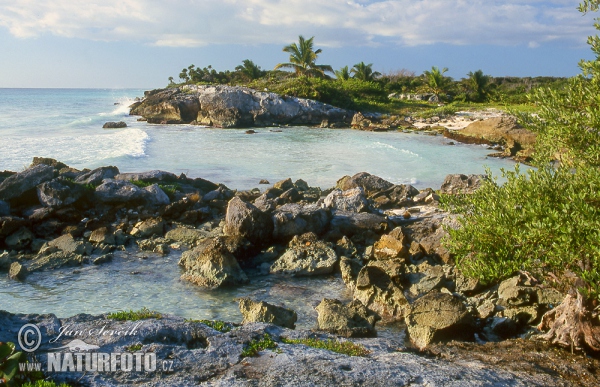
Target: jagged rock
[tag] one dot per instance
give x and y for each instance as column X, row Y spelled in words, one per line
column 102, row 235
column 345, row 247
column 438, row 317
column 67, row 244
column 18, row 184
column 102, row 259
column 549, row 296
column 284, row 185
column 516, row 291
column 211, row 265
column 96, row 176
column 461, row 184
column 378, row 287
column 352, row 320
column 523, row 315
column 392, row 245
column 466, row 285
column 155, row 176
column 4, row 208
column 371, row 184
column 247, row 221
column 48, row 161
column 10, row 224
column 20, row 239
column 394, row 197
column 189, row 236
column 55, row 260
column 148, row 227
column 157, row 245
column 17, row 271
column 290, row 196
column 118, row 191
column 351, row 223
column 306, row 255
column 350, row 269
column 59, row 193
column 294, row 219
column 260, row 311
column 155, row 196
column 352, row 200
column 301, row 185
column 426, row 278
column 114, row 125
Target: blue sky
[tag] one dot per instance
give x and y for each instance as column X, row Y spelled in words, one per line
column 140, row 43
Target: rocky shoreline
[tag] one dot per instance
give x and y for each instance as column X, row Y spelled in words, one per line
column 240, row 107
column 384, row 240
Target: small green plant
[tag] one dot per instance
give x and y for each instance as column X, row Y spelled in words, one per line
column 255, row 346
column 44, row 383
column 343, row 347
column 134, row 315
column 134, row 347
column 9, row 363
column 217, row 325
column 168, row 189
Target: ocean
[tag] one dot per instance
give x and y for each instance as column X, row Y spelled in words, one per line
column 66, row 124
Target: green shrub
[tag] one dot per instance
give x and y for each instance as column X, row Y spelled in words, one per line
column 217, row 325
column 45, row 383
column 9, row 363
column 255, row 346
column 345, row 347
column 134, row 315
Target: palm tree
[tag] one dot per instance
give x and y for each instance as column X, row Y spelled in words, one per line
column 249, row 69
column 303, row 58
column 364, row 72
column 343, row 73
column 479, row 84
column 436, row 80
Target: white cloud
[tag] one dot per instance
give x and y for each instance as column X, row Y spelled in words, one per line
column 333, row 22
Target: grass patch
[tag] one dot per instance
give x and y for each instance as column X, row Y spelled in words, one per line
column 134, row 347
column 217, row 325
column 345, row 347
column 44, row 383
column 134, row 315
column 255, row 346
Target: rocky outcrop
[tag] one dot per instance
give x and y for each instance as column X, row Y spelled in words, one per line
column 382, row 193
column 352, row 320
column 260, row 311
column 96, row 176
column 294, row 219
column 114, row 125
column 461, row 184
column 212, row 265
column 352, row 200
column 306, row 255
column 59, row 193
column 18, row 184
column 233, row 106
column 245, row 220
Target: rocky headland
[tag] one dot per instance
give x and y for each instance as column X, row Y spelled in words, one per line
column 382, row 239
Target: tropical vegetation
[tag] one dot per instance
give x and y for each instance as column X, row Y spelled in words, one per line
column 303, row 59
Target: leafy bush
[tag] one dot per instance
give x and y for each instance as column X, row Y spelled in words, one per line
column 9, row 363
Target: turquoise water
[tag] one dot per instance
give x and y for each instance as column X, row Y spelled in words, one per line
column 66, row 124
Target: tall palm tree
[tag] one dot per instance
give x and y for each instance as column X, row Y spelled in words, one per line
column 364, row 72
column 249, row 69
column 303, row 58
column 343, row 73
column 479, row 83
column 436, row 81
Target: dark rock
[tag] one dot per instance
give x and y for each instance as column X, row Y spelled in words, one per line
column 250, row 131
column 246, row 220
column 118, row 191
column 284, row 185
column 352, row 320
column 59, row 193
column 10, row 224
column 4, row 208
column 350, row 268
column 350, row 223
column 18, row 184
column 260, row 311
column 114, row 125
column 20, row 239
column 264, row 181
column 154, row 176
column 17, row 271
column 102, row 259
column 290, row 196
column 394, row 197
column 48, row 161
column 96, row 176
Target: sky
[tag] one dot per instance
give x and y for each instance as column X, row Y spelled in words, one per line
column 140, row 43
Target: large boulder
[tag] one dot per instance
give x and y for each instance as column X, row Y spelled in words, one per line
column 211, row 265
column 397, row 196
column 461, row 184
column 392, row 245
column 352, row 200
column 118, row 191
column 438, row 317
column 68, row 244
column 306, row 255
column 371, row 184
column 148, row 227
column 18, row 184
column 247, row 221
column 295, row 219
column 154, row 196
column 114, row 125
column 59, row 193
column 352, row 320
column 96, row 176
column 260, row 311
column 188, row 236
column 351, row 223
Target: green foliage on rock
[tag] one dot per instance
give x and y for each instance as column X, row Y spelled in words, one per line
column 45, row 383
column 9, row 363
column 217, row 325
column 134, row 315
column 255, row 346
column 547, row 220
column 343, row 347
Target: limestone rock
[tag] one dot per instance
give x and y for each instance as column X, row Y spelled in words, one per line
column 371, row 184
column 148, row 227
column 306, row 255
column 461, row 184
column 96, row 176
column 392, row 245
column 352, row 320
column 352, row 200
column 351, row 223
column 350, row 269
column 59, row 193
column 155, row 196
column 18, row 184
column 247, row 221
column 260, row 311
column 189, row 236
column 102, row 235
column 118, row 191
column 154, row 176
column 17, row 271
column 294, row 219
column 114, row 125
column 211, row 265
column 437, row 317
column 55, row 260
column 284, row 185
column 516, row 291
column 68, row 244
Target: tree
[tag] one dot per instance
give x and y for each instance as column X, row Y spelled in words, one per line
column 183, row 75
column 436, row 81
column 364, row 72
column 303, row 58
column 479, row 85
column 343, row 73
column 250, row 70
column 546, row 221
column 171, row 81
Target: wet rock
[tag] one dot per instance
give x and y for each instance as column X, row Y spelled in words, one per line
column 301, row 185
column 379, row 288
column 352, row 200
column 17, row 271
column 118, row 191
column 260, row 311
column 438, row 317
column 59, row 193
column 211, row 265
column 114, row 125
column 306, row 255
column 158, row 245
column 294, row 219
column 351, row 223
column 103, row 259
column 96, row 176
column 102, row 235
column 55, row 260
column 102, row 249
column 20, row 239
column 148, row 227
column 264, row 181
column 18, row 184
column 245, row 220
column 68, row 244
column 461, row 184
column 351, row 320
column 188, row 236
